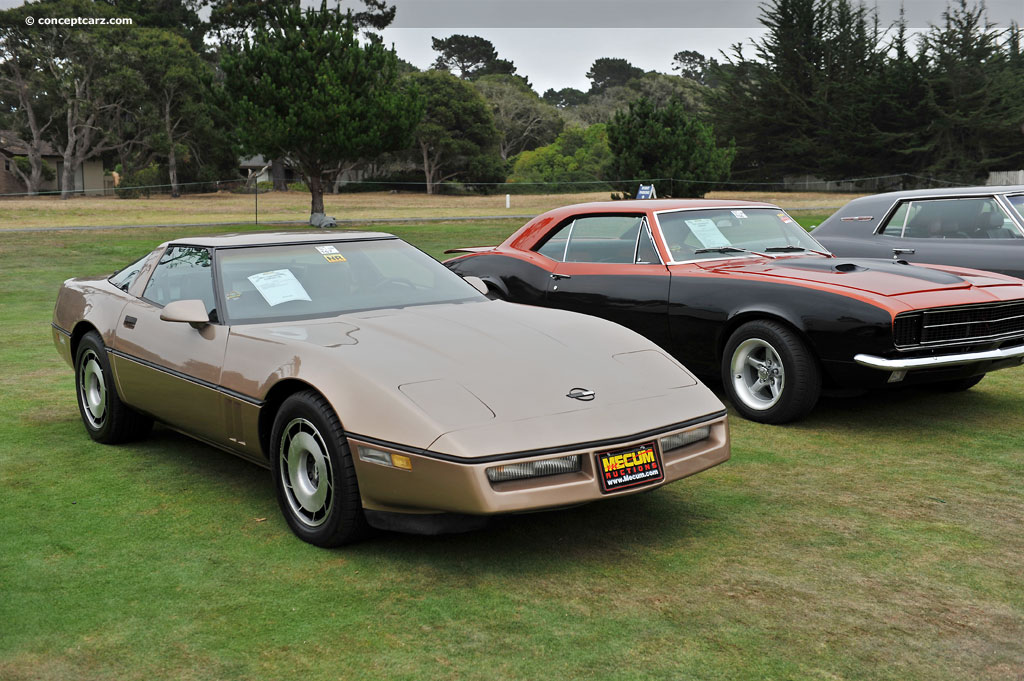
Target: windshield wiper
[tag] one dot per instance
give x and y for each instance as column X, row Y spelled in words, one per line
column 722, row 249
column 792, row 249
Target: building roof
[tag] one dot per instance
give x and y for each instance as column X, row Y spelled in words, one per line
column 13, row 145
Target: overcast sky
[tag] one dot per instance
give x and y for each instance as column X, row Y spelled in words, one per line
column 554, row 42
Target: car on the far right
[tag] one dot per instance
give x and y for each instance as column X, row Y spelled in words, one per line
column 977, row 227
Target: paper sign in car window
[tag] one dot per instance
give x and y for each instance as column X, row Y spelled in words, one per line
column 707, row 233
column 324, row 250
column 740, row 214
column 278, row 286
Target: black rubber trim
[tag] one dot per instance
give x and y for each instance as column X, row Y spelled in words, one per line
column 186, row 377
column 63, row 331
column 594, row 444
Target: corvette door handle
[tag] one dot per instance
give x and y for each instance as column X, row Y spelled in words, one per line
column 129, row 322
column 556, row 277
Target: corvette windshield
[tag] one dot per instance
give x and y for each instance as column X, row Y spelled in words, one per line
column 728, row 232
column 324, row 279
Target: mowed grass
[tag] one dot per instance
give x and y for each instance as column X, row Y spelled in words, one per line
column 224, row 207
column 879, row 539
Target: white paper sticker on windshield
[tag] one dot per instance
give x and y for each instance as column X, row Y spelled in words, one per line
column 707, row 233
column 740, row 214
column 278, row 286
column 324, row 250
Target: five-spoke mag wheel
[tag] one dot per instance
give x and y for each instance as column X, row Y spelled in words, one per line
column 769, row 373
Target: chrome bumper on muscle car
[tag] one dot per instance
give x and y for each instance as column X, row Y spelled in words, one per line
column 917, row 363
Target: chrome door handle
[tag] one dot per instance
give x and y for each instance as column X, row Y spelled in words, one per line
column 897, row 252
column 556, row 277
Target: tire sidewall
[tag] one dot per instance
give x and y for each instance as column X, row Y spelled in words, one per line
column 341, row 520
column 801, row 384
column 92, row 341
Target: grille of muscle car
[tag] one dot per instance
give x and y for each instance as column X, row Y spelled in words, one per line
column 986, row 321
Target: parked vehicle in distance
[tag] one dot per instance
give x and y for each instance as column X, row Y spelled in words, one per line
column 977, row 227
column 379, row 388
column 739, row 289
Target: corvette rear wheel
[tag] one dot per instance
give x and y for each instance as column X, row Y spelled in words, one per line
column 769, row 373
column 313, row 473
column 107, row 419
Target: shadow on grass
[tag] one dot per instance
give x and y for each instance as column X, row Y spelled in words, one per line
column 608, row 531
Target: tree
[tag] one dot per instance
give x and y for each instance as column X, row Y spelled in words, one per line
column 305, row 88
column 178, row 16
column 692, row 64
column 523, row 120
column 608, row 72
column 469, row 57
column 178, row 87
column 648, row 142
column 565, row 98
column 457, row 133
column 578, row 158
column 974, row 108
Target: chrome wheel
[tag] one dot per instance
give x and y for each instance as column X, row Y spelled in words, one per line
column 92, row 389
column 306, row 472
column 758, row 375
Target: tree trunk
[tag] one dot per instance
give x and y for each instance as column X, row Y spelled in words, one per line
column 67, row 184
column 428, row 169
column 277, row 172
column 316, row 193
column 172, row 158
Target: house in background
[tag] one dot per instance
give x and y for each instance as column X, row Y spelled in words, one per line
column 88, row 176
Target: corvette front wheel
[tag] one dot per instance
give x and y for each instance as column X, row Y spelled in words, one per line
column 107, row 419
column 313, row 473
column 769, row 373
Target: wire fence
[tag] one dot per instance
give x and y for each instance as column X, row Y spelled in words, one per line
column 664, row 186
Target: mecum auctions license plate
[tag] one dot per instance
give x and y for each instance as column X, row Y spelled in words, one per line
column 631, row 467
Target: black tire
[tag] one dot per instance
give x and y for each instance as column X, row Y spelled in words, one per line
column 776, row 372
column 957, row 385
column 107, row 419
column 313, row 473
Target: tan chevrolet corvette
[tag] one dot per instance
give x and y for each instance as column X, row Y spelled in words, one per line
column 381, row 389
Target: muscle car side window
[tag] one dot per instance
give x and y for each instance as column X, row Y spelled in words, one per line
column 183, row 273
column 596, row 238
column 961, row 218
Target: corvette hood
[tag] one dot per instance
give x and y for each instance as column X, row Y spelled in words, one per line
column 883, row 277
column 470, row 365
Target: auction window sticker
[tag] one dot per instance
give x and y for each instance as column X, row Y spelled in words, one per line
column 330, row 253
column 707, row 233
column 279, row 286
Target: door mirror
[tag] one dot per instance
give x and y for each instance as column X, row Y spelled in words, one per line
column 477, row 283
column 189, row 311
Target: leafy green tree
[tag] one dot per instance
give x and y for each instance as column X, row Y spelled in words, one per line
column 693, row 65
column 178, row 16
column 178, row 93
column 575, row 161
column 306, row 89
column 649, row 142
column 469, row 57
column 456, row 137
column 608, row 72
column 564, row 98
column 524, row 120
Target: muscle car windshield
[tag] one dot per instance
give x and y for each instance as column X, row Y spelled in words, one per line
column 324, row 279
column 700, row 234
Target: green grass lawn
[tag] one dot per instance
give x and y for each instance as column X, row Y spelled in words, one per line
column 879, row 539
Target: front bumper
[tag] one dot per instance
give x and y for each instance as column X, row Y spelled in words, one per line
column 442, row 485
column 942, row 361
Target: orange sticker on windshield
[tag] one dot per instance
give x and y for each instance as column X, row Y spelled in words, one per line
column 334, row 257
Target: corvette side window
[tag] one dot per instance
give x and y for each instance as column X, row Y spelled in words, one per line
column 183, row 273
column 124, row 278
